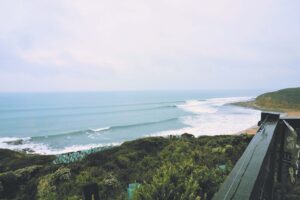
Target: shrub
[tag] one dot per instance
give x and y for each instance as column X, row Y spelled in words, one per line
column 47, row 184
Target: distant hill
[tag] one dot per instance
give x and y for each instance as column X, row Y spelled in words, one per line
column 281, row 100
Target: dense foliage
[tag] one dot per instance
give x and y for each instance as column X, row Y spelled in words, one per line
column 166, row 168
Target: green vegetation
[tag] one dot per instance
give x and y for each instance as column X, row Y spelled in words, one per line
column 285, row 100
column 166, row 168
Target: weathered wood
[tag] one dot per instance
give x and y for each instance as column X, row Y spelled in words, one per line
column 263, row 164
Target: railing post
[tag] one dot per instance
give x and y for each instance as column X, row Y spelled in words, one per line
column 269, row 167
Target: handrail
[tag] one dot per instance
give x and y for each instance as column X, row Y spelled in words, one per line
column 270, row 156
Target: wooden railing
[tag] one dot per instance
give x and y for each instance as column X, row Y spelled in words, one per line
column 268, row 169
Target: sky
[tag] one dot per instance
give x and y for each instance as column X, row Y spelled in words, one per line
column 95, row 45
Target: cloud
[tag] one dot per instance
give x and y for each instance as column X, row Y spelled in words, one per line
column 138, row 44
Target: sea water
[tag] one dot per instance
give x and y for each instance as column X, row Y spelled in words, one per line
column 53, row 123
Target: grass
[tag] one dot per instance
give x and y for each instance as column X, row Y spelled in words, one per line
column 285, row 100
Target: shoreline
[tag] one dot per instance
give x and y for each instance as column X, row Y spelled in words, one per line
column 253, row 129
column 249, row 131
column 253, row 105
column 187, row 123
column 293, row 114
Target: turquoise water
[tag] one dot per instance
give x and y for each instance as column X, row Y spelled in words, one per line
column 52, row 123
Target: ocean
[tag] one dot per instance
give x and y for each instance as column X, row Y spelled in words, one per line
column 54, row 123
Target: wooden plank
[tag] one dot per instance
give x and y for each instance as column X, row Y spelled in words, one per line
column 242, row 179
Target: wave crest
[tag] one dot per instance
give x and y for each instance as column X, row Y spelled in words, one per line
column 27, row 145
column 99, row 129
column 209, row 106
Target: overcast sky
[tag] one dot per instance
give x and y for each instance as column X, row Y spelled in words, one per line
column 72, row 45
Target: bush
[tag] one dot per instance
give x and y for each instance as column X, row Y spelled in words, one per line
column 167, row 168
column 47, row 184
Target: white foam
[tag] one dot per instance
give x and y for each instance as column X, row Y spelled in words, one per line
column 100, row 129
column 11, row 139
column 40, row 148
column 227, row 100
column 210, row 105
column 197, row 107
column 26, row 144
column 93, row 133
column 210, row 119
column 75, row 148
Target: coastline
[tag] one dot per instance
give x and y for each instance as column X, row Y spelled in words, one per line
column 197, row 114
column 253, row 105
column 294, row 113
column 249, row 131
column 282, row 101
column 252, row 130
column 289, row 112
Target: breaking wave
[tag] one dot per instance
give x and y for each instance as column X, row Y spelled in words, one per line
column 210, row 105
column 203, row 117
column 210, row 117
column 35, row 144
column 29, row 146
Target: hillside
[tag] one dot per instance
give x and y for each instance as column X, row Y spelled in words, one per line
column 286, row 100
column 178, row 167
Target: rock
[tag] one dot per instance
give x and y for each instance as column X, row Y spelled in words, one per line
column 28, row 150
column 15, row 142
